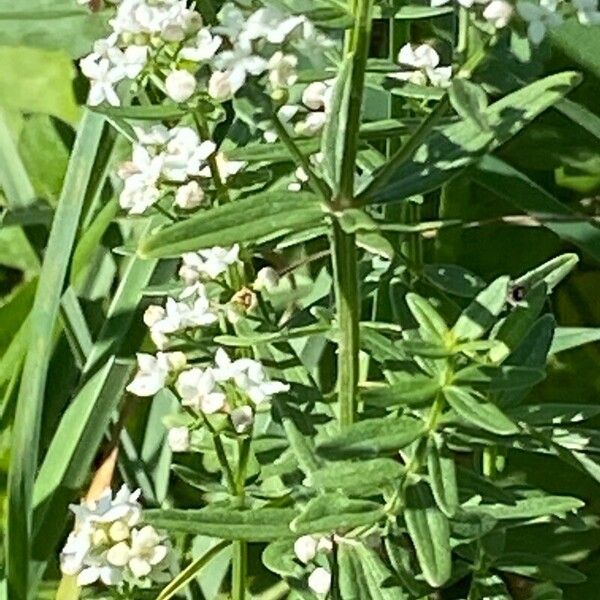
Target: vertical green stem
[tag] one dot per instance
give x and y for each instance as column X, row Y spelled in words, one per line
column 345, row 264
column 240, row 548
column 462, row 46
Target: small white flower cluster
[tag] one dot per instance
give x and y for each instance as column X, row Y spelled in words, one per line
column 154, row 372
column 306, row 549
column 205, row 390
column 496, row 12
column 548, row 14
column 165, row 159
column 424, row 63
column 110, row 544
column 191, row 310
column 207, row 264
column 139, row 28
column 263, row 41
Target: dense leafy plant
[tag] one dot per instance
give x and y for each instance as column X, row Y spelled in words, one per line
column 276, row 296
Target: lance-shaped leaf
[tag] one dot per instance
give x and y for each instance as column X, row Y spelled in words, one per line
column 519, row 321
column 469, row 100
column 494, row 378
column 41, row 323
column 407, row 389
column 473, row 408
column 513, row 186
column 371, row 437
column 258, row 525
column 450, row 148
column 430, row 533
column 442, row 475
column 335, row 512
column 365, row 477
column 553, row 413
column 431, row 324
column 480, row 315
column 551, row 272
column 538, row 567
column 258, row 218
column 530, row 508
column 566, row 338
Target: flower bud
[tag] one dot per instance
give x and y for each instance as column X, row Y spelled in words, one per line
column 498, row 13
column 153, row 314
column 118, row 555
column 118, row 531
column 189, row 195
column 319, row 581
column 180, row 85
column 305, row 548
column 242, row 418
column 179, row 439
column 219, row 86
column 266, row 279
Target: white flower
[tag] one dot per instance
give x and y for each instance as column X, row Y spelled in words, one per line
column 305, row 548
column 282, row 70
column 285, row 114
column 318, row 95
column 205, row 47
column 463, row 3
column 178, row 439
column 424, row 61
column 180, row 85
column 157, row 135
column 271, row 24
column 242, row 418
column 319, row 581
column 249, row 375
column 540, row 18
column 231, row 21
column 197, row 389
column 103, row 76
column 266, row 279
column 185, row 154
column 233, row 67
column 225, row 167
column 130, row 61
column 189, row 196
column 207, row 263
column 147, row 552
column 140, row 175
column 153, row 372
column 587, row 11
column 314, row 122
column 498, row 13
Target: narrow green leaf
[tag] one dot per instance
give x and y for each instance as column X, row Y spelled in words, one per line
column 335, row 512
column 153, row 112
column 407, row 389
column 262, row 217
column 499, row 378
column 566, row 338
column 530, row 508
column 365, row 477
column 371, row 437
column 450, row 148
column 553, row 413
column 431, row 324
column 480, row 315
column 551, row 272
column 442, row 475
column 510, row 184
column 538, row 567
column 470, row 101
column 24, row 456
column 254, row 339
column 430, row 533
column 473, row 408
column 254, row 525
column 334, row 132
column 453, row 279
column 190, row 572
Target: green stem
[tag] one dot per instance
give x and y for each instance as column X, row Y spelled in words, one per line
column 345, row 265
column 356, row 45
column 240, row 548
column 239, row 563
column 316, row 183
column 203, row 130
column 462, row 47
